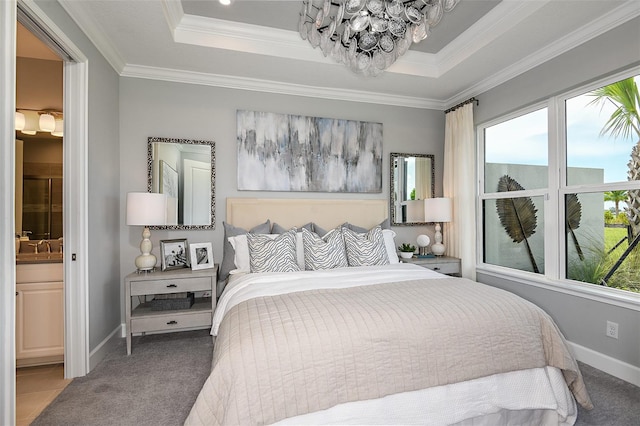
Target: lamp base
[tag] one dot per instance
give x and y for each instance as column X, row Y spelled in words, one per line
column 146, row 262
column 437, row 249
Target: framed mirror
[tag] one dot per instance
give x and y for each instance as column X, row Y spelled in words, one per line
column 184, row 169
column 412, row 180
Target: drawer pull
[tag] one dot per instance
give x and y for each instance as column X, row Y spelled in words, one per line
column 172, row 286
column 436, row 268
column 172, row 322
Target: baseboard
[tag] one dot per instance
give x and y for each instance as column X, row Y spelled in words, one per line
column 615, row 367
column 100, row 351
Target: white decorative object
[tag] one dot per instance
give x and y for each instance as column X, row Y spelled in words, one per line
column 146, row 209
column 423, row 242
column 406, row 254
column 437, row 210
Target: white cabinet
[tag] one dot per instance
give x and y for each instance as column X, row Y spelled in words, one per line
column 39, row 318
column 39, row 313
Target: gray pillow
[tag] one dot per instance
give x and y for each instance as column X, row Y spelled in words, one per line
column 385, row 224
column 277, row 229
column 273, row 255
column 228, row 252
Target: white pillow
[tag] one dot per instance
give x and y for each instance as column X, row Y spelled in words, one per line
column 243, row 261
column 390, row 245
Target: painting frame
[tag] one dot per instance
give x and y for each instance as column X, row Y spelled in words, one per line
column 201, row 255
column 174, row 254
column 295, row 153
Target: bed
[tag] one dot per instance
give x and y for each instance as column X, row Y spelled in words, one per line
column 387, row 343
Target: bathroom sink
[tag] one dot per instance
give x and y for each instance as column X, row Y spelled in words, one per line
column 38, row 258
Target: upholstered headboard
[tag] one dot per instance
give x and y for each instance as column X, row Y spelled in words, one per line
column 248, row 212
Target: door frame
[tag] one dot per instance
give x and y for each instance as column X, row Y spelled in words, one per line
column 75, row 216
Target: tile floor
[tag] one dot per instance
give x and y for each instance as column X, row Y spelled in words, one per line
column 37, row 387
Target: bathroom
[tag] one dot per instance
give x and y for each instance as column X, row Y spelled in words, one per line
column 39, row 326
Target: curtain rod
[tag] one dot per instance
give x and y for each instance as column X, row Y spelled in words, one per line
column 468, row 101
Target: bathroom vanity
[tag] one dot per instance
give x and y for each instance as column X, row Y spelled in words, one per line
column 39, row 309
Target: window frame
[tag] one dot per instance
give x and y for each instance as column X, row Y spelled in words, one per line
column 554, row 217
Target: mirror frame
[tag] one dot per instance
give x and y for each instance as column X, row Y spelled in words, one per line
column 392, row 213
column 150, row 141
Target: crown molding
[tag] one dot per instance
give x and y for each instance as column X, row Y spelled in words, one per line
column 243, row 83
column 94, row 31
column 612, row 19
column 502, row 18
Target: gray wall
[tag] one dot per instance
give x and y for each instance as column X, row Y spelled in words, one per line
column 103, row 185
column 156, row 108
column 583, row 321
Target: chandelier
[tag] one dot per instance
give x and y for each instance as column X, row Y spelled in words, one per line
column 369, row 35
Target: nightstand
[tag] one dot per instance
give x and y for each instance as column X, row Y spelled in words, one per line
column 443, row 264
column 141, row 318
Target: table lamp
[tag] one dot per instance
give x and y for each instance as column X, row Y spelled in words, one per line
column 146, row 209
column 437, row 210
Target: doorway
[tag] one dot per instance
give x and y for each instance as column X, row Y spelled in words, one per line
column 75, row 221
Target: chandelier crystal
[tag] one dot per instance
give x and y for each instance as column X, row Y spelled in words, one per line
column 369, row 35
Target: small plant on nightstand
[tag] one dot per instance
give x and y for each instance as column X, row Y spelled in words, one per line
column 406, row 250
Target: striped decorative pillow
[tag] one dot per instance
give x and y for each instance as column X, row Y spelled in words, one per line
column 323, row 253
column 365, row 249
column 273, row 255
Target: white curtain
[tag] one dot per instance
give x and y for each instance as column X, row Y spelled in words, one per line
column 458, row 183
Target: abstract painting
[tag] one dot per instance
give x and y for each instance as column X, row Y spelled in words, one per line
column 281, row 152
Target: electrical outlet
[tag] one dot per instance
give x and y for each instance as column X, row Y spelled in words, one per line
column 612, row 329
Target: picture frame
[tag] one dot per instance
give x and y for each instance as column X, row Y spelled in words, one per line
column 201, row 255
column 168, row 180
column 174, row 254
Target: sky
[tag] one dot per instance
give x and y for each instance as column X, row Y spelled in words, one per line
column 586, row 148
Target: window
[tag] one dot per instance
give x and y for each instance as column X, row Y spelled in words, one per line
column 516, row 160
column 560, row 192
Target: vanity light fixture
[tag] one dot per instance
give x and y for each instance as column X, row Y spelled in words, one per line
column 437, row 210
column 368, row 36
column 146, row 209
column 29, row 122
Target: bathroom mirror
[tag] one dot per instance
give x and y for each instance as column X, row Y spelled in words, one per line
column 184, row 169
column 412, row 180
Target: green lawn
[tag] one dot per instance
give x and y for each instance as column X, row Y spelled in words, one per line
column 627, row 277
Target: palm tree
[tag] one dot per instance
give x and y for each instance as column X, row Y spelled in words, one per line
column 616, row 197
column 625, row 123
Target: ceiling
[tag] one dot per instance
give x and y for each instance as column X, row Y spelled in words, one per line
column 255, row 45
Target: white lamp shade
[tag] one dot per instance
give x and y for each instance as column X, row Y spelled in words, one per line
column 146, row 209
column 20, row 121
column 47, row 123
column 437, row 210
column 59, row 130
column 30, row 122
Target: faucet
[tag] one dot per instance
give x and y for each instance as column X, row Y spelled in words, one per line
column 35, row 246
column 44, row 242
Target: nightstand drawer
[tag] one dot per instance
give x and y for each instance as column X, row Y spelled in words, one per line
column 168, row 322
column 176, row 285
column 444, row 268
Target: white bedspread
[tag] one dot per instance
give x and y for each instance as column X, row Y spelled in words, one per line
column 246, row 286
